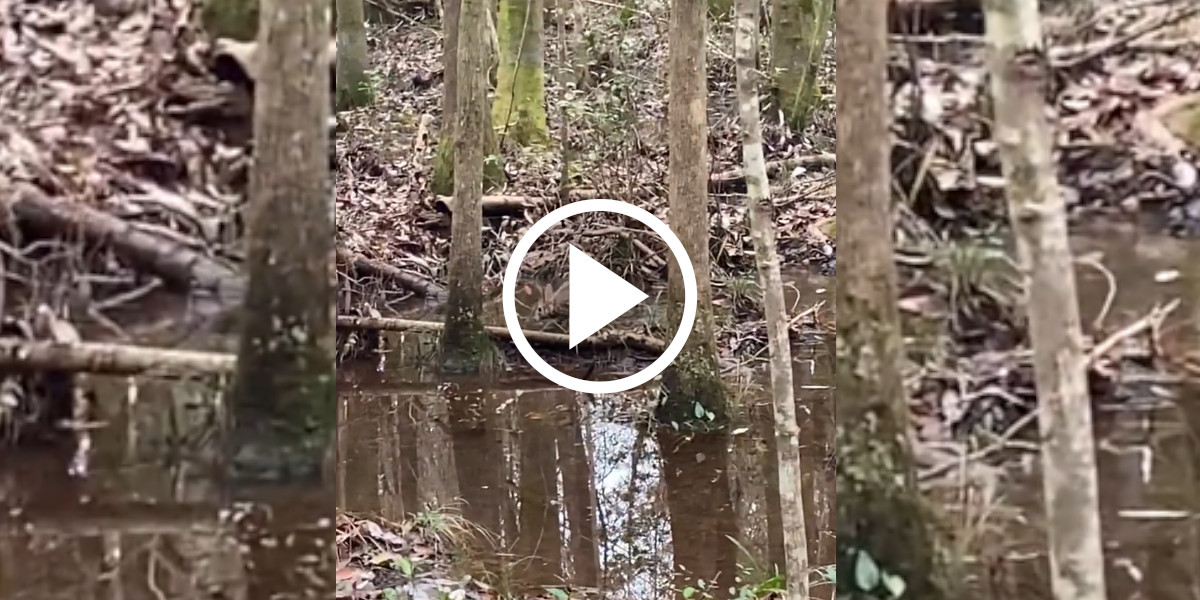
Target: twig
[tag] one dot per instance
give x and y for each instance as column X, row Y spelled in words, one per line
column 1149, row 322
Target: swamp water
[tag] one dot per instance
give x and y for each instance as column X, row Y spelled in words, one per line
column 150, row 520
column 1148, row 444
column 574, row 491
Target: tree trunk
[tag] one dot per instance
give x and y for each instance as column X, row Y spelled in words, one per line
column 520, row 105
column 442, row 182
column 464, row 342
column 1038, row 215
column 353, row 89
column 762, row 230
column 879, row 509
column 236, row 19
column 284, row 397
column 798, row 36
column 693, row 378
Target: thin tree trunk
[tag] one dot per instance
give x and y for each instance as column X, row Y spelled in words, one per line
column 464, row 342
column 442, row 182
column 879, row 510
column 284, row 380
column 1038, row 214
column 693, row 378
column 762, row 230
column 352, row 88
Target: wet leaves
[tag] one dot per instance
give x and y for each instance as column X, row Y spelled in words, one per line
column 1115, row 153
column 94, row 109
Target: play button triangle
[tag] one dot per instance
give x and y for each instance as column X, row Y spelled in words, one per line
column 597, row 296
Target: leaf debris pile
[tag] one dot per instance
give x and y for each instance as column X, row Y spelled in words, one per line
column 1115, row 76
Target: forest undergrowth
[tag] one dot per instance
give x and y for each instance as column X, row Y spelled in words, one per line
column 607, row 114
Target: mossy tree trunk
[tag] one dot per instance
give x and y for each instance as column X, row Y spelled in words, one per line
column 1038, row 213
column 762, row 230
column 284, row 403
column 465, row 345
column 798, row 33
column 880, row 511
column 520, row 105
column 442, row 182
column 353, row 89
column 693, row 378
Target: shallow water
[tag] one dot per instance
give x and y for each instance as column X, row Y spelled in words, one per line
column 150, row 519
column 1148, row 448
column 573, row 489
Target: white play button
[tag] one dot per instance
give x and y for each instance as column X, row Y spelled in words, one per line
column 597, row 296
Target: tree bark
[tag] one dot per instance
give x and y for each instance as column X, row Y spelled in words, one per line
column 353, row 89
column 283, row 398
column 1037, row 210
column 464, row 342
column 879, row 510
column 798, row 35
column 692, row 383
column 762, row 231
column 444, row 165
column 520, row 104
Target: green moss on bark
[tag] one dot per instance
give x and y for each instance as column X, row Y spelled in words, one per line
column 442, row 180
column 798, row 35
column 880, row 510
column 353, row 87
column 466, row 347
column 283, row 401
column 520, row 103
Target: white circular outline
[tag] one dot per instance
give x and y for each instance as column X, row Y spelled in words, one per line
column 509, row 300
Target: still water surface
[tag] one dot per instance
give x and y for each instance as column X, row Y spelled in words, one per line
column 151, row 519
column 576, row 490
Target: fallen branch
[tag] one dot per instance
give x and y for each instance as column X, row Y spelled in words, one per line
column 111, row 359
column 722, row 182
column 410, row 281
column 633, row 341
column 179, row 266
column 494, row 205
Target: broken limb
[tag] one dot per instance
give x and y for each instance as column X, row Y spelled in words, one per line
column 633, row 341
column 111, row 359
column 408, row 280
column 179, row 266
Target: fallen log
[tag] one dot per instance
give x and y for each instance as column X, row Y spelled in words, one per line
column 179, row 266
column 112, row 359
column 724, row 182
column 629, row 340
column 409, row 281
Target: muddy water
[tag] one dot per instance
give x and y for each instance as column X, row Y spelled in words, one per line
column 1149, row 445
column 149, row 517
column 577, row 489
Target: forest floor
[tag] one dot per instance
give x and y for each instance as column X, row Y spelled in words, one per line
column 387, row 214
column 103, row 141
column 1124, row 84
column 1117, row 80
